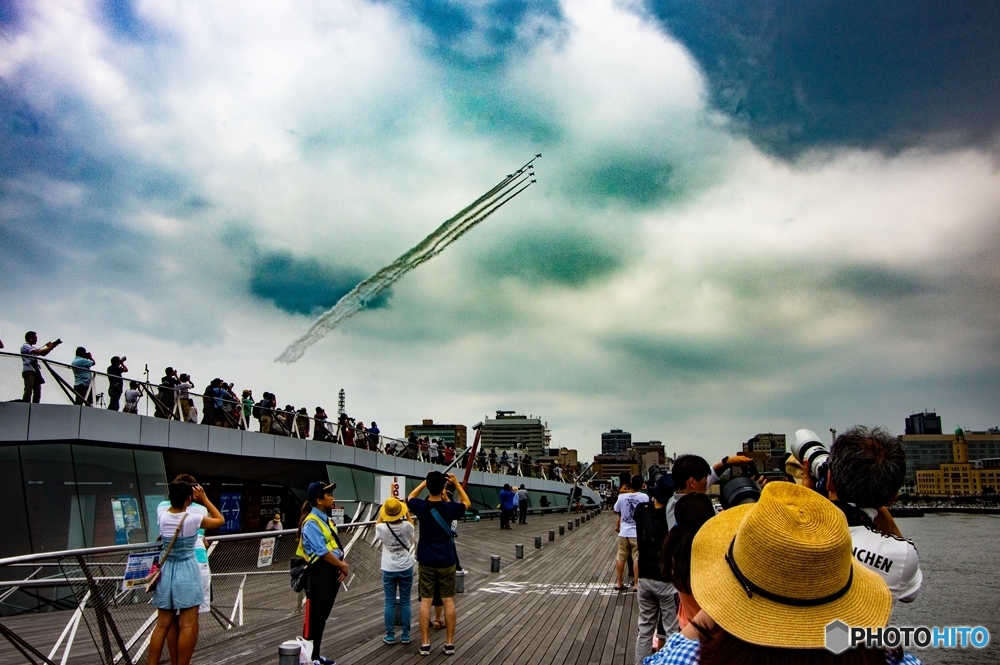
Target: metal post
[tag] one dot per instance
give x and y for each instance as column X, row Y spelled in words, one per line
column 519, row 551
column 288, row 653
column 576, row 521
column 459, row 581
column 569, row 525
column 552, row 535
column 538, row 542
column 562, row 530
column 494, row 564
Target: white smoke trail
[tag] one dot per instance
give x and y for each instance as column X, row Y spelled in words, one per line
column 429, row 247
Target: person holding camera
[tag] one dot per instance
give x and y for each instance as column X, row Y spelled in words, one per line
column 31, row 371
column 116, row 385
column 436, row 551
column 82, row 376
column 864, row 471
column 692, row 474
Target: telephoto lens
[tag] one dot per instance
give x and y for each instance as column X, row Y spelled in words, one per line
column 808, row 448
column 738, row 491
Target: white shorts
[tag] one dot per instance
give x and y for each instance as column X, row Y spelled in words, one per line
column 206, row 587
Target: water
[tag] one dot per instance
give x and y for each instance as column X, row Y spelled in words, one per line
column 960, row 560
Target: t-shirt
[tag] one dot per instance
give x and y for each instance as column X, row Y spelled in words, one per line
column 115, row 370
column 183, row 388
column 507, row 499
column 29, row 361
column 625, row 507
column 200, row 551
column 522, row 497
column 81, row 371
column 396, row 557
column 132, row 397
column 168, row 522
column 434, row 547
column 893, row 558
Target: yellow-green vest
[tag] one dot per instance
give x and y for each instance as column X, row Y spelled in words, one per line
column 325, row 528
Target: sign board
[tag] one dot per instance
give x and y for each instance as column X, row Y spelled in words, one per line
column 230, row 510
column 391, row 486
column 337, row 515
column 265, row 555
column 136, row 569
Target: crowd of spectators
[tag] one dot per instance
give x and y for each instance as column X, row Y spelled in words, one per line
column 218, row 404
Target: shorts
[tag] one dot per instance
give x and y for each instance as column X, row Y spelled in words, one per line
column 206, row 587
column 441, row 580
column 627, row 548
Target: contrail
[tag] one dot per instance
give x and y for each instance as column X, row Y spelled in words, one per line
column 429, row 247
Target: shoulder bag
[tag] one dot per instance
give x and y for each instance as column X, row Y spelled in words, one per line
column 153, row 576
column 450, row 532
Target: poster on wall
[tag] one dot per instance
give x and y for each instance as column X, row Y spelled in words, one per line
column 121, row 535
column 391, row 486
column 230, row 509
column 337, row 515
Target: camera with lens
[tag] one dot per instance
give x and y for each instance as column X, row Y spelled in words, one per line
column 808, row 448
column 741, row 487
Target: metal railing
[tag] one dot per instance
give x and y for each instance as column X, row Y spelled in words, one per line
column 249, row 590
column 98, row 389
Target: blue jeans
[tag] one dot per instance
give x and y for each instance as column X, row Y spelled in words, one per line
column 404, row 582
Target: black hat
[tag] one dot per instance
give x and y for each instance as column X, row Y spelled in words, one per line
column 318, row 489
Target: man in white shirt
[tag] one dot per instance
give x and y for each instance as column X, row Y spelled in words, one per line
column 625, row 527
column 31, row 371
column 866, row 469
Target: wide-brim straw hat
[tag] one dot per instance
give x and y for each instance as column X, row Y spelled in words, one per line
column 776, row 572
column 393, row 510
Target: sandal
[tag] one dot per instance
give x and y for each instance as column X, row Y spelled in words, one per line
column 438, row 625
column 449, row 649
column 425, row 649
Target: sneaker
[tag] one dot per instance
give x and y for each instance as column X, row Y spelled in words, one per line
column 324, row 661
column 405, row 639
column 425, row 649
column 449, row 649
column 389, row 639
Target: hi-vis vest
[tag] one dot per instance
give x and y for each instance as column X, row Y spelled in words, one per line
column 325, row 528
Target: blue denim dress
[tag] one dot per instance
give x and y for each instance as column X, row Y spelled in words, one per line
column 180, row 578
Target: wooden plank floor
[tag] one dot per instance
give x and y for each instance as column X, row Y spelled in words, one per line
column 554, row 606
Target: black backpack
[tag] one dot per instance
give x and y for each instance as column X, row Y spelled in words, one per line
column 256, row 412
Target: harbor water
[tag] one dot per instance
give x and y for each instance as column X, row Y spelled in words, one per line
column 960, row 560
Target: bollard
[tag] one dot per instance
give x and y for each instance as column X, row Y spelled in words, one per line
column 562, row 530
column 569, row 525
column 552, row 535
column 288, row 653
column 577, row 521
column 519, row 551
column 494, row 564
column 459, row 581
column 538, row 542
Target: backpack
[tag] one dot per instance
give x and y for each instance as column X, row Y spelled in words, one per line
column 256, row 412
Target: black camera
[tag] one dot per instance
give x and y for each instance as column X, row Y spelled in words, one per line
column 741, row 487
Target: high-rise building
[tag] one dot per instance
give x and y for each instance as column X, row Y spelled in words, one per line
column 927, row 422
column 454, row 435
column 615, row 442
column 509, row 431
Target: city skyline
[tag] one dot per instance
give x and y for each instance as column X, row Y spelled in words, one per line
column 747, row 218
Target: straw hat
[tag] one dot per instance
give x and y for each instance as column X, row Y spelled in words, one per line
column 392, row 510
column 793, row 552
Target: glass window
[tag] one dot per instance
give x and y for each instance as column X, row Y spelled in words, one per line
column 364, row 484
column 341, row 475
column 16, row 539
column 50, row 493
column 152, row 487
column 108, row 495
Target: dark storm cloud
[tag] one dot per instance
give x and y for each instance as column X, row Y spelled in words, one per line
column 885, row 74
column 484, row 32
column 877, row 282
column 632, row 179
column 304, row 286
column 563, row 259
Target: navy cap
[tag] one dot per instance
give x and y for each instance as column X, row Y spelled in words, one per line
column 318, row 489
column 663, row 489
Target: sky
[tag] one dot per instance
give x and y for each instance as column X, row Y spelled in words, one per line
column 750, row 216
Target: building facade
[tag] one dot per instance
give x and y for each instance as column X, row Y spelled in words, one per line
column 615, row 442
column 511, row 431
column 767, row 451
column 927, row 452
column 960, row 476
column 454, row 435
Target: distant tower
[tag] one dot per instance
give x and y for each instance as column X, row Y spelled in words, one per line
column 959, row 448
column 341, row 399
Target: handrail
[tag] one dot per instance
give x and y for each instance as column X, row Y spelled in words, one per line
column 110, row 549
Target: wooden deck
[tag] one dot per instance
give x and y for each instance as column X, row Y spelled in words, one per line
column 554, row 606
